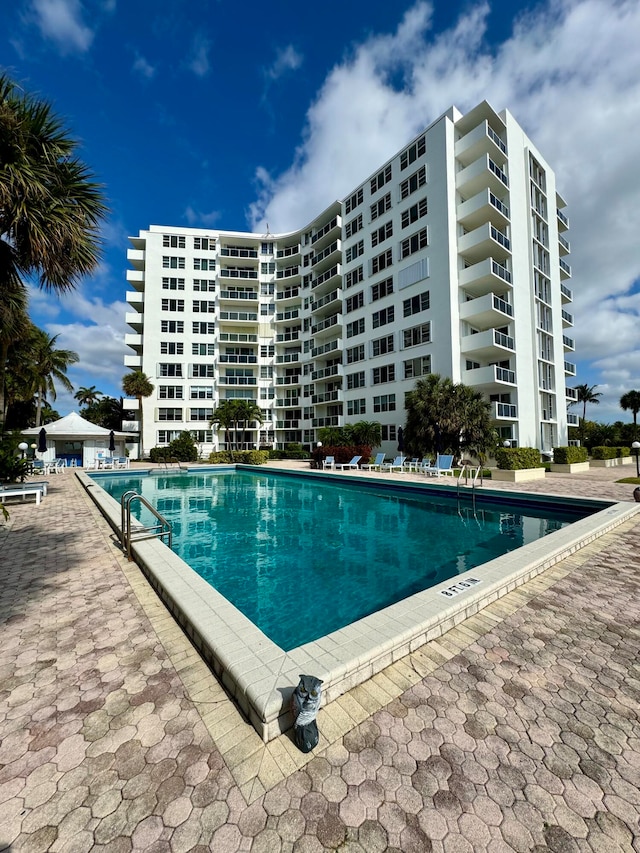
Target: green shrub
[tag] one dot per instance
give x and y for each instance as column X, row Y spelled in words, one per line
column 569, row 455
column 341, row 454
column 517, row 458
column 181, row 449
column 12, row 466
column 604, row 452
column 221, row 457
column 250, row 457
column 623, row 451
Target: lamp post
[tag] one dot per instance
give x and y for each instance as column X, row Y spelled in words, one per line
column 23, row 447
column 318, row 448
column 506, row 443
column 636, row 447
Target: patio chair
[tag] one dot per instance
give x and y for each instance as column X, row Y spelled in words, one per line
column 353, row 464
column 396, row 465
column 412, row 464
column 443, row 466
column 427, row 467
column 328, row 462
column 375, row 465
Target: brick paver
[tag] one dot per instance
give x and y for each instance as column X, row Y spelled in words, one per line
column 520, row 732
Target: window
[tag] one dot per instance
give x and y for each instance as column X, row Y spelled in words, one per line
column 267, row 393
column 172, row 326
column 381, row 234
column 382, row 261
column 387, row 373
column 267, row 308
column 417, row 335
column 206, row 371
column 354, row 302
column 204, row 264
column 356, row 407
column 353, row 227
column 202, row 436
column 172, row 283
column 413, row 182
column 165, row 436
column 388, row 432
column 354, row 251
column 355, row 328
column 204, row 306
column 204, row 284
column 382, row 345
column 383, row 177
column 172, row 263
column 170, row 392
column 266, row 248
column 267, row 350
column 200, row 414
column 415, row 212
column 381, row 318
column 355, row 380
column 382, row 288
column 172, row 304
column 412, row 153
column 171, row 348
column 203, row 349
column 355, row 354
column 381, row 206
column 385, row 403
column 169, row 414
column 354, row 200
column 205, row 243
column 169, row 370
column 417, row 303
column 414, row 243
column 266, row 371
column 201, row 392
column 172, row 241
column 354, row 277
column 415, row 367
column 268, row 267
column 203, row 328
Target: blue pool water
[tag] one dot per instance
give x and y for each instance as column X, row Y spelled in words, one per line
column 302, row 557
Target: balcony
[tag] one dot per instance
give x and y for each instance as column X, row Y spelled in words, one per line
column 135, row 297
column 325, row 348
column 329, row 255
column 238, row 296
column 288, row 252
column 481, row 140
column 237, row 380
column 137, row 258
column 484, row 242
column 567, row 294
column 485, row 206
column 287, row 402
column 289, row 293
column 489, row 379
column 237, row 338
column 565, row 270
column 573, row 420
column 133, row 361
column 238, row 316
column 570, row 368
column 288, row 424
column 135, row 320
column 134, row 341
column 327, row 281
column 505, row 412
column 288, row 358
column 238, row 272
column 288, row 380
column 323, row 236
column 324, row 327
column 563, row 221
column 330, row 299
column 567, row 319
column 487, row 345
column 237, row 252
column 328, row 372
column 288, row 336
column 136, row 278
column 486, row 311
column 238, row 359
column 130, row 426
column 568, row 343
column 483, row 172
column 288, row 272
column 327, row 397
column 333, row 420
column 564, row 245
column 284, row 316
column 484, row 277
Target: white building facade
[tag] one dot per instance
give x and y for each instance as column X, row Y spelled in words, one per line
column 449, row 259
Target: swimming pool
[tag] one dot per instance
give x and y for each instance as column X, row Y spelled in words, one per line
column 260, row 675
column 302, row 559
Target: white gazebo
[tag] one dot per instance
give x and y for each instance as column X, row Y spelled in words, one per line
column 77, row 441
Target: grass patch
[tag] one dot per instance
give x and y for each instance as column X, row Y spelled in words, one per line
column 634, row 481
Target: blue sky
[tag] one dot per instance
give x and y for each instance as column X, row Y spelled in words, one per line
column 217, row 113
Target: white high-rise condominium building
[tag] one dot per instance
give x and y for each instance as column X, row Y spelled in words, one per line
column 450, row 258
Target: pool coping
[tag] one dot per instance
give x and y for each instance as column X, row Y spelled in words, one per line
column 260, row 676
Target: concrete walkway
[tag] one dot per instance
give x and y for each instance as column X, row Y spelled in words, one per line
column 518, row 730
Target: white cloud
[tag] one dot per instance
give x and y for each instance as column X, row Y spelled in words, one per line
column 570, row 75
column 198, row 219
column 198, row 61
column 61, row 22
column 143, row 68
column 287, row 59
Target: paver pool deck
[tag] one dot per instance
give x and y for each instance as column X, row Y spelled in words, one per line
column 517, row 730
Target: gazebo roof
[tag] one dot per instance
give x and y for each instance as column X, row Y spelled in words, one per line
column 73, row 426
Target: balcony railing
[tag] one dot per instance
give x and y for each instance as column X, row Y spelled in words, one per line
column 288, row 294
column 288, row 272
column 570, row 368
column 238, row 253
column 497, row 171
column 292, row 314
column 327, row 397
column 328, row 227
column 566, row 291
column 238, row 380
column 329, row 347
column 502, row 305
column 288, row 358
column 235, row 273
column 288, row 251
column 238, row 294
column 333, row 420
column 503, row 340
column 330, row 297
column 568, row 342
column 287, row 402
column 501, row 238
column 238, row 337
column 503, row 374
column 563, row 218
column 332, row 247
column 326, row 372
column 499, row 205
column 506, row 410
column 493, row 135
column 572, row 420
column 325, row 324
column 287, row 336
column 238, row 359
column 564, row 243
column 288, row 380
column 571, row 394
column 564, row 266
column 568, row 317
column 325, row 276
column 238, row 315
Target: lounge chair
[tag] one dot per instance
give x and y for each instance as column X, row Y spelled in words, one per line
column 412, row 464
column 352, row 464
column 396, row 465
column 442, row 466
column 427, row 467
column 375, row 465
column 328, row 462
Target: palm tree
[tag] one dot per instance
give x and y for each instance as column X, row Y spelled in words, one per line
column 247, row 411
column 587, row 394
column 48, row 365
column 225, row 417
column 137, row 384
column 631, row 401
column 87, row 396
column 367, row 433
column 14, row 326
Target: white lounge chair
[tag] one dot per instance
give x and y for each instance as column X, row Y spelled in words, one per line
column 328, row 462
column 442, row 466
column 352, row 464
column 375, row 465
column 412, row 464
column 396, row 465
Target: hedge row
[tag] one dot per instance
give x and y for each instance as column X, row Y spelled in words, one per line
column 517, row 458
column 243, row 457
column 341, row 454
column 610, row 452
column 569, row 455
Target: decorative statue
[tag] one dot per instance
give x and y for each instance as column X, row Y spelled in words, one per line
column 305, row 703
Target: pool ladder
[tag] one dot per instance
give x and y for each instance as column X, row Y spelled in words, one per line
column 161, row 529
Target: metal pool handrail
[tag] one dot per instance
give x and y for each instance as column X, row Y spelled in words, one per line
column 161, row 529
